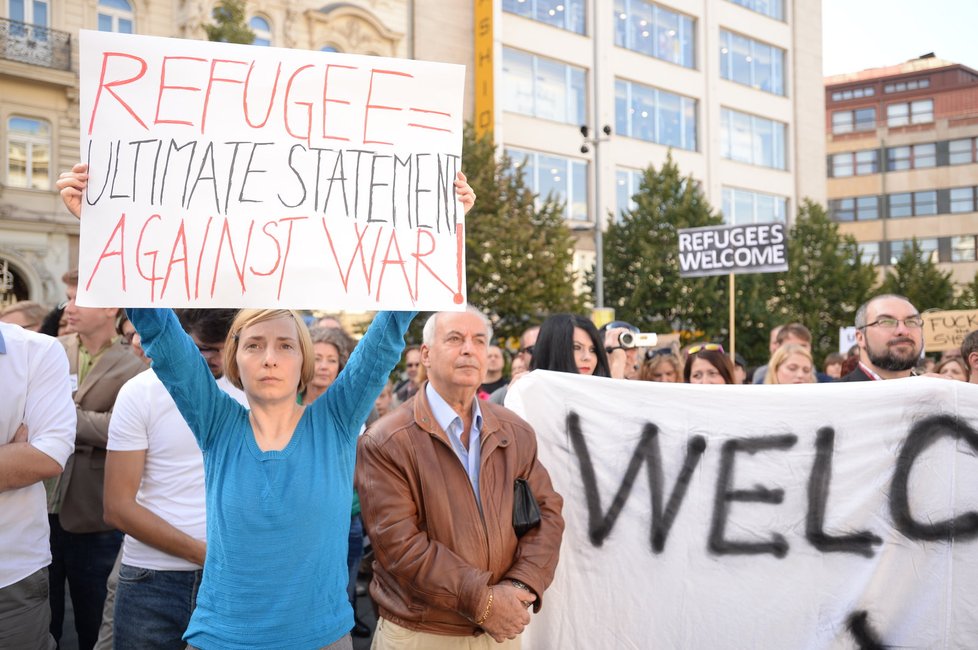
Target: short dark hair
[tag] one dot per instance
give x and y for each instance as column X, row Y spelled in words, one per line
column 794, row 330
column 969, row 345
column 208, row 325
column 716, row 358
column 554, row 349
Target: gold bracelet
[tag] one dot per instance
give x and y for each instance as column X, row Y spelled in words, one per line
column 485, row 614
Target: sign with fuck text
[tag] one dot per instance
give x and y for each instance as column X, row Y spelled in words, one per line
column 227, row 175
column 807, row 516
column 719, row 250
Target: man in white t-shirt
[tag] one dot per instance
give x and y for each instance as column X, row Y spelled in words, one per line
column 154, row 492
column 37, row 435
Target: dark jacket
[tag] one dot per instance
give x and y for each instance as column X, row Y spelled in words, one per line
column 80, row 487
column 858, row 374
column 436, row 554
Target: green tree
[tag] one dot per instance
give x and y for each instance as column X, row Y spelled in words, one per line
column 518, row 251
column 230, row 23
column 826, row 279
column 968, row 299
column 920, row 280
column 641, row 260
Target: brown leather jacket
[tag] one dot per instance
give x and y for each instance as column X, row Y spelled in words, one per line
column 436, row 555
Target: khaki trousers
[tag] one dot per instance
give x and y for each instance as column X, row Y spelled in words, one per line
column 390, row 636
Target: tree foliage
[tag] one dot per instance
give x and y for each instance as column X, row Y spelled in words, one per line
column 826, row 279
column 518, row 251
column 230, row 23
column 641, row 259
column 920, row 280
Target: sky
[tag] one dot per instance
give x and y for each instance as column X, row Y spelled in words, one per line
column 860, row 34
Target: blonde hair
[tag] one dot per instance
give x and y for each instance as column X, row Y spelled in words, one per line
column 781, row 355
column 248, row 317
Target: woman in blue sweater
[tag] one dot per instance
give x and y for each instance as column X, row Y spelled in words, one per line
column 278, row 477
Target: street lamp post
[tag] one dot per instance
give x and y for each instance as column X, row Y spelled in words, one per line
column 595, row 142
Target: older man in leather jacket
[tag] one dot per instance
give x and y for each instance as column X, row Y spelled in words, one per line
column 436, row 479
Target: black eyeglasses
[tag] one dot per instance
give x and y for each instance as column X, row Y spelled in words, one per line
column 910, row 322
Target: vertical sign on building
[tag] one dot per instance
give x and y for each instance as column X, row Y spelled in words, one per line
column 483, row 67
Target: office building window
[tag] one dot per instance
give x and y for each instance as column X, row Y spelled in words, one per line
column 746, row 206
column 917, row 156
column 912, row 204
column 961, row 152
column 751, row 63
column 28, row 153
column 869, row 252
column 656, row 31
column 655, row 115
column 854, row 163
column 565, row 14
column 962, row 199
column 771, row 8
column 856, row 208
column 963, row 248
column 901, row 86
column 542, row 87
column 920, row 111
column 752, row 139
column 928, row 249
column 115, row 16
column 861, row 119
column 853, row 93
column 563, row 179
column 262, row 29
column 628, row 182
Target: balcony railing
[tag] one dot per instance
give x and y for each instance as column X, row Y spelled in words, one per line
column 35, row 45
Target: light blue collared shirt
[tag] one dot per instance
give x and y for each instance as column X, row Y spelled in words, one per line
column 451, row 423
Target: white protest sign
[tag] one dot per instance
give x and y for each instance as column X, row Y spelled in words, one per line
column 719, row 250
column 759, row 516
column 847, row 338
column 238, row 176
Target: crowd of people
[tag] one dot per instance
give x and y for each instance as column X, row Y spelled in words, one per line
column 220, row 497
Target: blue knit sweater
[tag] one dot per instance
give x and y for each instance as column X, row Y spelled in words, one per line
column 277, row 521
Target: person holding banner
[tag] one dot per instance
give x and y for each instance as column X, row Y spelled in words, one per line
column 278, row 477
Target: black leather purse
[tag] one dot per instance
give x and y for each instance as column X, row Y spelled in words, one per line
column 526, row 510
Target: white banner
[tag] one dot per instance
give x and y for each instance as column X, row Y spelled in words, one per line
column 238, row 176
column 816, row 516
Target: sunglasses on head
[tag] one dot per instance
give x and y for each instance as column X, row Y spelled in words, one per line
column 708, row 347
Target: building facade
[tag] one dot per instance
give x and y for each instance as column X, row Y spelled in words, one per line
column 729, row 87
column 902, row 161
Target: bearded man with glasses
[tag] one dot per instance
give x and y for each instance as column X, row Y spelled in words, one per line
column 890, row 336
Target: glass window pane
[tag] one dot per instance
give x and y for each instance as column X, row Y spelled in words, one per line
column 922, row 111
column 740, row 57
column 104, row 23
column 963, row 249
column 669, row 120
column 844, row 210
column 842, row 122
column 897, row 115
column 577, row 96
column 17, row 164
column 640, row 24
column 924, row 155
column 842, row 165
column 517, row 91
column 959, row 151
column 867, row 208
column 667, row 44
column 578, row 207
column 550, row 90
column 901, row 205
column 869, row 252
column 898, row 158
column 689, row 124
column 743, row 207
column 867, row 162
column 925, row 203
column 962, row 199
column 865, row 119
column 40, row 17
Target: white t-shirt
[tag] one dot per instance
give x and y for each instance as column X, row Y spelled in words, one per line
column 146, row 418
column 36, row 392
